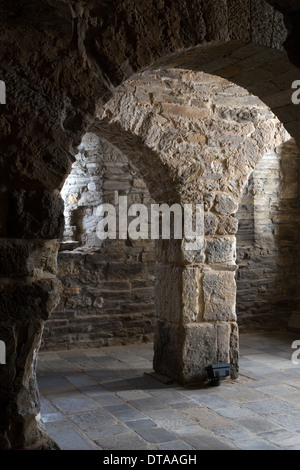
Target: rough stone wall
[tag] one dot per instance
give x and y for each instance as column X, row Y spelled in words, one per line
column 218, row 129
column 265, row 73
column 221, row 132
column 108, row 294
column 60, row 60
column 268, row 242
column 98, row 44
column 107, row 286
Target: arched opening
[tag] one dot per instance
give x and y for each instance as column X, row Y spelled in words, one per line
column 210, row 151
column 208, row 134
column 213, row 135
column 46, row 116
column 108, row 285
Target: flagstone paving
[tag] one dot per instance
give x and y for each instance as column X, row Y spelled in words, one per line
column 107, row 399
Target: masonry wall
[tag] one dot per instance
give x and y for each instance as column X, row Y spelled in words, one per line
column 268, row 243
column 107, row 286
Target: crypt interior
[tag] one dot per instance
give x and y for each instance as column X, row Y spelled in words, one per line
column 182, row 102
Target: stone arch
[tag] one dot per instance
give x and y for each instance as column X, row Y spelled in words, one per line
column 47, row 113
column 264, row 72
column 107, row 294
column 179, row 114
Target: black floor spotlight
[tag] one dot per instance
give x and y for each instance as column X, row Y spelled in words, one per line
column 217, row 371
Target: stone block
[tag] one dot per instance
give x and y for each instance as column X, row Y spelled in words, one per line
column 186, row 352
column 29, row 300
column 234, row 350
column 221, row 250
column 188, row 112
column 190, row 294
column 219, row 290
column 199, row 350
column 225, row 205
column 228, row 226
column 23, row 258
column 223, row 342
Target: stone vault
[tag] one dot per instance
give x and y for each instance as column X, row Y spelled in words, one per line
column 61, row 62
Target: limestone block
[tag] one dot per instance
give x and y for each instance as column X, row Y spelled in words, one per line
column 193, row 251
column 225, row 205
column 190, row 294
column 219, row 290
column 199, row 351
column 220, row 250
column 185, row 352
column 223, row 342
column 210, row 224
column 228, row 226
column 181, row 111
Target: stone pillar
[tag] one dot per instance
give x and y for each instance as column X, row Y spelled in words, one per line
column 195, row 307
column 29, row 292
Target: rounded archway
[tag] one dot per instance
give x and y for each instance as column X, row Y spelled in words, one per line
column 46, row 115
column 209, row 135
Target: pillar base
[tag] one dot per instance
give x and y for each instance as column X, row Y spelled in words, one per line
column 183, row 353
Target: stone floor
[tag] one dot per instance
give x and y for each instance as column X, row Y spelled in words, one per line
column 108, row 399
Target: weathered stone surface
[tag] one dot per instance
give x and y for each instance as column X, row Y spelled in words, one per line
column 267, row 250
column 195, row 358
column 190, row 295
column 228, row 226
column 219, row 296
column 220, row 250
column 189, row 112
column 185, row 352
column 239, row 15
column 223, row 342
column 25, row 258
column 210, row 224
column 28, row 300
column 225, row 205
column 48, row 110
column 234, row 350
column 19, row 393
